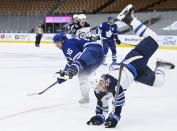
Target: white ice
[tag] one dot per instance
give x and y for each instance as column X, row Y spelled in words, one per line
column 25, row 69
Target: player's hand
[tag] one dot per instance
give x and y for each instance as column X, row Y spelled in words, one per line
column 112, row 121
column 61, row 75
column 96, row 120
column 118, row 42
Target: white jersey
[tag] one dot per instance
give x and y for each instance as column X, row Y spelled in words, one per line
column 39, row 30
column 126, row 78
column 83, row 33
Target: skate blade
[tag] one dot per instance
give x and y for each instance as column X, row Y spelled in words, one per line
column 121, row 16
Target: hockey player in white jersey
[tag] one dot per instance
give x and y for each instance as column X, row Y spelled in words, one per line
column 84, row 28
column 137, row 70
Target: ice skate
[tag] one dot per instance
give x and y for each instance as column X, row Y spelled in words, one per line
column 164, row 64
column 127, row 14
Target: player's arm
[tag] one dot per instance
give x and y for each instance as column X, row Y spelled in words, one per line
column 77, row 65
column 70, row 28
column 99, row 29
column 59, row 79
column 115, row 116
column 116, row 33
column 99, row 118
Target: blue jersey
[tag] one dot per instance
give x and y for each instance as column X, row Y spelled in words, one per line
column 108, row 31
column 72, row 48
column 82, row 54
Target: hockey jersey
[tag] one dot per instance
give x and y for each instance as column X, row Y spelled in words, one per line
column 127, row 77
column 103, row 97
column 108, row 31
column 73, row 27
column 73, row 48
column 84, row 32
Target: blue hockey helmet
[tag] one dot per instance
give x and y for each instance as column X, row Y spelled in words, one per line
column 110, row 17
column 59, row 37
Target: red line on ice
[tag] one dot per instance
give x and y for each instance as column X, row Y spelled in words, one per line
column 28, row 111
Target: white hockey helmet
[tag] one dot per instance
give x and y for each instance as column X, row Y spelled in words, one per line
column 94, row 80
column 82, row 17
column 75, row 16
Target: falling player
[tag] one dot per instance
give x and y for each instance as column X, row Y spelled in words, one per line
column 106, row 85
column 83, row 58
column 109, row 35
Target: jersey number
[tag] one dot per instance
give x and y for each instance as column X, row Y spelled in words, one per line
column 69, row 52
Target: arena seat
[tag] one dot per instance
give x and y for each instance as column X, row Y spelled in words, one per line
column 80, row 6
column 26, row 7
column 118, row 5
column 165, row 5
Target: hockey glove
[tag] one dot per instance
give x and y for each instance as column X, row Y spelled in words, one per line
column 63, row 75
column 112, row 121
column 97, row 120
column 118, row 41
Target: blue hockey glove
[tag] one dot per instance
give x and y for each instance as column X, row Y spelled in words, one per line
column 60, row 80
column 112, row 121
column 96, row 120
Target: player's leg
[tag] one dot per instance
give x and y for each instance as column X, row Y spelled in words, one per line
column 91, row 59
column 105, row 48
column 112, row 46
column 155, row 78
column 160, row 72
column 36, row 40
column 84, row 88
column 147, row 46
column 127, row 16
column 40, row 36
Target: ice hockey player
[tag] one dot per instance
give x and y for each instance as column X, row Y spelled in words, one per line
column 74, row 26
column 109, row 35
column 106, row 85
column 84, row 28
column 83, row 58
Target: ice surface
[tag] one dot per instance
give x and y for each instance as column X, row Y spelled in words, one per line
column 25, row 69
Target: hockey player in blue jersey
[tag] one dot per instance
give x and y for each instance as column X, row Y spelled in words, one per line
column 83, row 58
column 106, row 85
column 109, row 35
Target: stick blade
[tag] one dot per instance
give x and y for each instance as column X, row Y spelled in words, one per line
column 32, row 94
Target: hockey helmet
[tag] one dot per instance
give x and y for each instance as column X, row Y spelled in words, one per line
column 82, row 16
column 94, row 80
column 59, row 37
column 75, row 16
column 110, row 17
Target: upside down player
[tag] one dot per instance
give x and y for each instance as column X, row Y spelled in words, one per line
column 137, row 70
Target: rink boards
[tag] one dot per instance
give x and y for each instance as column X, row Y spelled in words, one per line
column 165, row 41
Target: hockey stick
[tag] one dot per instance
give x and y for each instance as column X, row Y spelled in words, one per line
column 122, row 65
column 32, row 94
